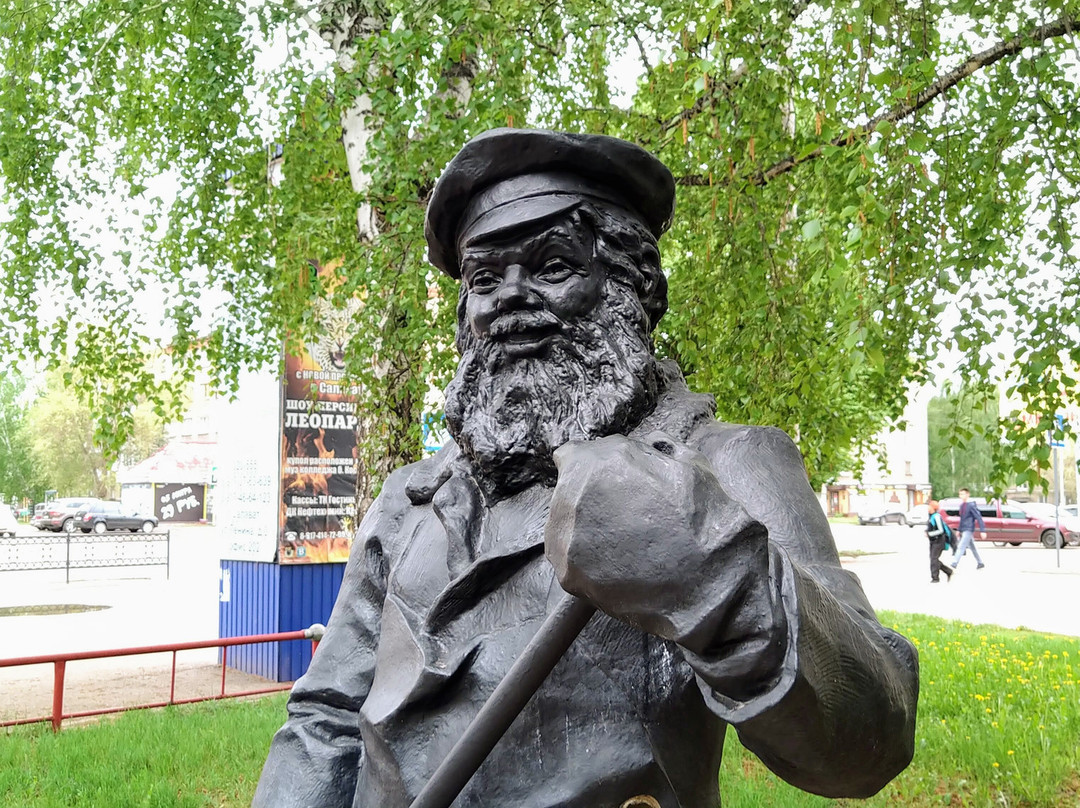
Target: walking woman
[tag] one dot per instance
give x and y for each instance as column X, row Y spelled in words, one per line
column 939, row 534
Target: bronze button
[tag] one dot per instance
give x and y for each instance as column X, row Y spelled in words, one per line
column 641, row 801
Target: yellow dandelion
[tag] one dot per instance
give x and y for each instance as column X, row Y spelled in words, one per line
column 1010, row 752
column 997, row 765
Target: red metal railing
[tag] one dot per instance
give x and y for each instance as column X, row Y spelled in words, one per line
column 59, row 663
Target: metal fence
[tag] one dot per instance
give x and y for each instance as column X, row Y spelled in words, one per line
column 80, row 551
column 59, row 662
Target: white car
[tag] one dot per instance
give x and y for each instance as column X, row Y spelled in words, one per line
column 8, row 523
column 917, row 515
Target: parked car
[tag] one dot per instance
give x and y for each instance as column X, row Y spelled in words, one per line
column 106, row 514
column 917, row 515
column 8, row 523
column 879, row 514
column 1070, row 522
column 60, row 513
column 1012, row 523
column 1071, row 509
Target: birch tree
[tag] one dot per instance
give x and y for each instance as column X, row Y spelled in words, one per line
column 848, row 172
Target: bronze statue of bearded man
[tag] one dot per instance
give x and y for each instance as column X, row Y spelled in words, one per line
column 580, row 463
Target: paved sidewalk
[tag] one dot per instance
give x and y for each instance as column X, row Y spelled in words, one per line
column 1020, row 587
column 142, row 607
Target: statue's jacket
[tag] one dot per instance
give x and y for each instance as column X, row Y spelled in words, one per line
column 441, row 594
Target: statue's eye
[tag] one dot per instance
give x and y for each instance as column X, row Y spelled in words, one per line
column 555, row 270
column 484, row 280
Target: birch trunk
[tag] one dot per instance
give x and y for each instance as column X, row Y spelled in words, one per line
column 343, row 24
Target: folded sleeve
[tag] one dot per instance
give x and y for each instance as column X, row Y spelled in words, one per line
column 815, row 686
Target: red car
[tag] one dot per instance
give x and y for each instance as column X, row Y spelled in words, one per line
column 1011, row 523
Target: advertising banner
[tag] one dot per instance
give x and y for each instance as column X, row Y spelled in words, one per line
column 318, row 458
column 247, row 479
column 179, row 502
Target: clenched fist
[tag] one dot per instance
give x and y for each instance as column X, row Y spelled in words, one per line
column 643, row 530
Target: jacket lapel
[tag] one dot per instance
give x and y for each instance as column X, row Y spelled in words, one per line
column 507, row 536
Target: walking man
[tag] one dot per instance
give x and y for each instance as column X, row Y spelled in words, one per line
column 969, row 515
column 939, row 533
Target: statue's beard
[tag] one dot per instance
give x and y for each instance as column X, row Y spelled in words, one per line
column 599, row 377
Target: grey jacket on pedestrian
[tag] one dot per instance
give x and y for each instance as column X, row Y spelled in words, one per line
column 969, row 515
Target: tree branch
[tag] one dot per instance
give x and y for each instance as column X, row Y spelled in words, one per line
column 1060, row 27
column 131, row 15
column 727, row 84
column 644, row 56
column 718, row 88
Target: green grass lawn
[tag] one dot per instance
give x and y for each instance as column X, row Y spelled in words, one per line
column 999, row 725
column 195, row 756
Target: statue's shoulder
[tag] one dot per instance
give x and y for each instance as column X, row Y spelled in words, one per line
column 410, row 485
column 721, row 440
column 385, row 529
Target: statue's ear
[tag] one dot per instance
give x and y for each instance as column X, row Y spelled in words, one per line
column 653, row 292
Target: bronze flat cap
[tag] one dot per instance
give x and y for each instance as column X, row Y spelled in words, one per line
column 504, row 179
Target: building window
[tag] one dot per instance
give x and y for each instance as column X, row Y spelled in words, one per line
column 907, row 467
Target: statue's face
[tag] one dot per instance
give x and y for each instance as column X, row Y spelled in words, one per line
column 524, row 289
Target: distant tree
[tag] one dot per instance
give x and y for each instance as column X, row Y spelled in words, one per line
column 67, row 450
column 19, row 474
column 962, row 437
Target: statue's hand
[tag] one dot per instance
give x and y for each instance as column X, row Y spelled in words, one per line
column 644, row 531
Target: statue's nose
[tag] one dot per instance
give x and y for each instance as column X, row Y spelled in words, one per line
column 515, row 291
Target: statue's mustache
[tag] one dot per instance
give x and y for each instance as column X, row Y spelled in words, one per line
column 518, row 321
